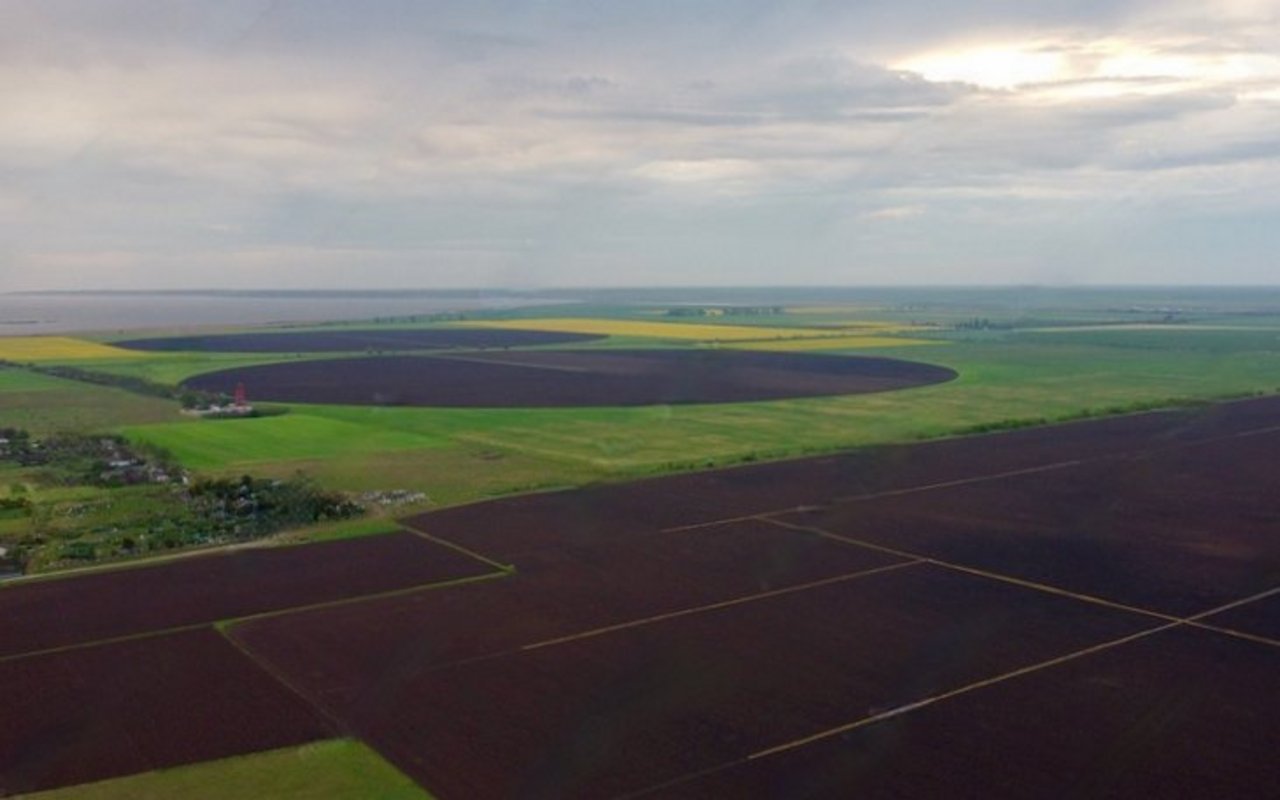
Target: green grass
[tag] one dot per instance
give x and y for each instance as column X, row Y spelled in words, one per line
column 173, row 368
column 476, row 453
column 457, row 455
column 449, row 475
column 44, row 404
column 997, row 381
column 223, row 443
column 334, row 770
column 24, row 381
column 349, row 529
column 1208, row 340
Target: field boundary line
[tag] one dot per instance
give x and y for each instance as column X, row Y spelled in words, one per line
column 457, row 548
column 339, row 727
column 1012, row 674
column 907, row 708
column 228, row 622
column 635, row 623
column 1196, row 619
column 1236, row 634
column 207, row 551
column 848, row 499
column 110, row 640
column 684, row 612
column 915, row 705
column 994, row 476
column 762, row 516
column 1193, row 620
column 1244, row 601
column 982, row 573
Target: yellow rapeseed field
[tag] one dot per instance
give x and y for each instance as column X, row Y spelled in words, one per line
column 658, row 330
column 56, row 348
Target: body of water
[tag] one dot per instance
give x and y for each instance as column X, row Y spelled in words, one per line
column 25, row 314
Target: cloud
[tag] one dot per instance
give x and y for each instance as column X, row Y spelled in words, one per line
column 146, row 138
column 892, row 213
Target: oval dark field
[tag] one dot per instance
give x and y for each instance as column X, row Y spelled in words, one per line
column 556, row 378
column 347, row 341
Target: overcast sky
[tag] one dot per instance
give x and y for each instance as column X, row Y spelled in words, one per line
column 542, row 143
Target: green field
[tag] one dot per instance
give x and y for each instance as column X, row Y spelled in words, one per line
column 1224, row 340
column 349, row 529
column 1098, row 353
column 457, row 455
column 21, row 381
column 1018, row 364
column 173, row 368
column 334, row 770
column 44, row 404
column 213, row 444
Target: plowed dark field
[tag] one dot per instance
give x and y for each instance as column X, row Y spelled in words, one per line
column 624, row 656
column 581, row 588
column 202, row 589
column 553, row 378
column 1080, row 611
column 1180, row 532
column 516, row 528
column 1183, row 713
column 612, row 712
column 1260, row 618
column 346, row 341
column 97, row 712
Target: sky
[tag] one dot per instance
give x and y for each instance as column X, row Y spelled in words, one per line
column 564, row 143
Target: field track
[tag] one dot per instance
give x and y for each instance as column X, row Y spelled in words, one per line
column 618, row 661
column 1088, row 610
column 51, row 614
column 557, row 378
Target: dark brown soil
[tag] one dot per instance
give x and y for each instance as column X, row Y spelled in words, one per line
column 1260, row 618
column 611, row 713
column 1182, row 715
column 580, row 588
column 348, row 341
column 56, row 613
column 1180, row 532
column 630, row 652
column 99, row 712
column 515, row 528
column 552, row 378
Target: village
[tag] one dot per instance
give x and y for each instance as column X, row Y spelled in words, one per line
column 72, row 500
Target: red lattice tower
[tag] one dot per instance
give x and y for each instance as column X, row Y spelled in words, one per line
column 240, row 395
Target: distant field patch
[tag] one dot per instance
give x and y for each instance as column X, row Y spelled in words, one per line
column 854, row 318
column 56, row 348
column 1160, row 337
column 339, row 769
column 561, row 378
column 826, row 310
column 658, row 330
column 43, row 404
column 211, row 444
column 832, row 343
column 356, row 340
column 21, row 380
